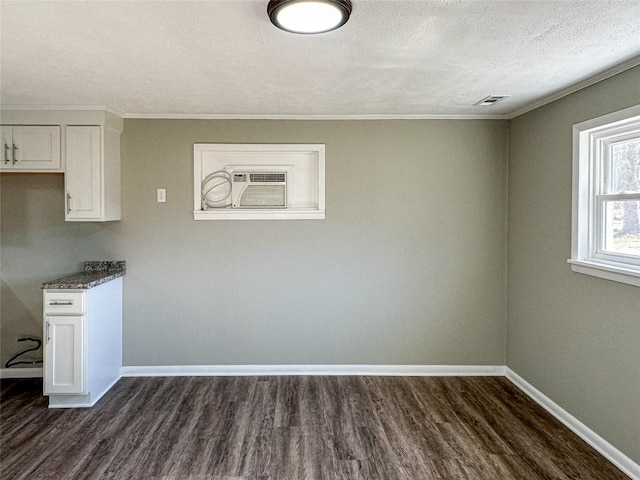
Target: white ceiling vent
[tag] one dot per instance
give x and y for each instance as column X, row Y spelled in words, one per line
column 490, row 100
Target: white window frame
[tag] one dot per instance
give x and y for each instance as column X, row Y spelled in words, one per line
column 590, row 142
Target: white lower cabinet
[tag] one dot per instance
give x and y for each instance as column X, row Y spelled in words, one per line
column 65, row 360
column 83, row 343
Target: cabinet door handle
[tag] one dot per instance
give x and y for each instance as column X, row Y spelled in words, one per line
column 6, row 153
column 63, row 302
column 68, row 203
column 15, row 153
column 47, row 333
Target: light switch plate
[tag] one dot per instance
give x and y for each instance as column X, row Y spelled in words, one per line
column 162, row 195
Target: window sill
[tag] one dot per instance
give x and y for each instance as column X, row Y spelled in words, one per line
column 609, row 271
column 259, row 214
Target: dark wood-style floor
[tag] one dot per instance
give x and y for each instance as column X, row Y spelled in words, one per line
column 293, row 428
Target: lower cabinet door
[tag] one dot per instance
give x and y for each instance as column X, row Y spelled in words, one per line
column 64, row 363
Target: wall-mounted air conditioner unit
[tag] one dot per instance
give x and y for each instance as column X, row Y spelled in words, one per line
column 259, row 190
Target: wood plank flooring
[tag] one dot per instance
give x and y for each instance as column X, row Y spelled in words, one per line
column 292, row 428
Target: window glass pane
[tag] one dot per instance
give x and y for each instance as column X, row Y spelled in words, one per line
column 625, row 158
column 622, row 226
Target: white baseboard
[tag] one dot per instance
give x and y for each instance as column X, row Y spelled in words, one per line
column 253, row 370
column 611, row 453
column 21, row 372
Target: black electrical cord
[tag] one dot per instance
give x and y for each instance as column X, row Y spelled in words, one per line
column 11, row 363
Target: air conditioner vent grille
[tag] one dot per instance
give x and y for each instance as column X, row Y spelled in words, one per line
column 268, row 177
column 491, row 100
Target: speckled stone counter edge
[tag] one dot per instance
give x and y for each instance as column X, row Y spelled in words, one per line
column 105, row 265
column 95, row 273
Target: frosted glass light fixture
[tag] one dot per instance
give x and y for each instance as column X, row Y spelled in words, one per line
column 309, row 16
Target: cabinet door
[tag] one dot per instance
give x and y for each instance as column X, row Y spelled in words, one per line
column 64, row 352
column 83, row 174
column 6, row 135
column 36, row 148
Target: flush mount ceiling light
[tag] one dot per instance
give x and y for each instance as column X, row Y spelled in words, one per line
column 309, row 16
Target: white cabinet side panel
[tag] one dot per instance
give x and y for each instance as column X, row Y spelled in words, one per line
column 104, row 324
column 111, row 182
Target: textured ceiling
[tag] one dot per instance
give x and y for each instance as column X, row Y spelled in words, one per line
column 395, row 58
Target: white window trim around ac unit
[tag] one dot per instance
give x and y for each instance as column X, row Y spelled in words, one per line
column 584, row 236
column 292, row 212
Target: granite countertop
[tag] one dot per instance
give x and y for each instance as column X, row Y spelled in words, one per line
column 95, row 273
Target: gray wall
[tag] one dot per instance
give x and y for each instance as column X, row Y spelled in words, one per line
column 574, row 337
column 408, row 267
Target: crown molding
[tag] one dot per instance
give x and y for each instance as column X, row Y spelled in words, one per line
column 603, row 75
column 64, row 108
column 207, row 116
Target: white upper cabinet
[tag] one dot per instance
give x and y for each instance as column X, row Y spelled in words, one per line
column 83, row 179
column 92, row 173
column 31, row 148
column 82, row 144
